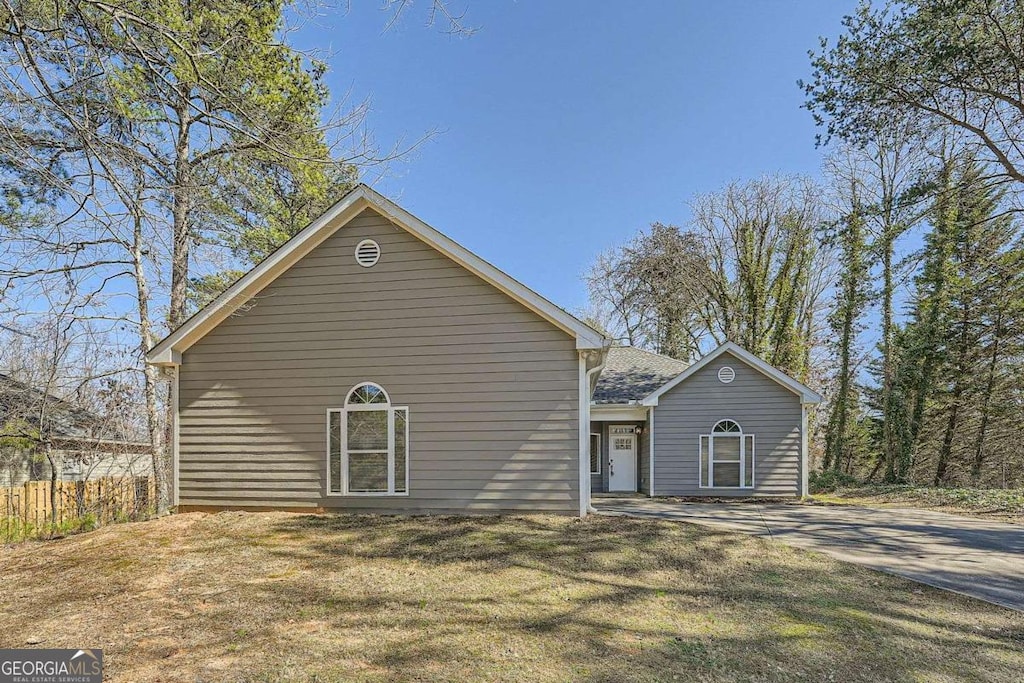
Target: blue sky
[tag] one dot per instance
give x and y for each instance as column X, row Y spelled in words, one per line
column 567, row 126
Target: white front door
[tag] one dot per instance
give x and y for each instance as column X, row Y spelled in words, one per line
column 621, row 458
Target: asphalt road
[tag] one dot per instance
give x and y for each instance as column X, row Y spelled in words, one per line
column 975, row 557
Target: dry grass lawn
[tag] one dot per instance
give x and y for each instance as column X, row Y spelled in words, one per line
column 1004, row 505
column 280, row 597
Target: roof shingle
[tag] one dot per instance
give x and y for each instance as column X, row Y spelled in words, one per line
column 630, row 374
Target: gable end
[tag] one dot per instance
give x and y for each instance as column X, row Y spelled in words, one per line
column 806, row 394
column 169, row 350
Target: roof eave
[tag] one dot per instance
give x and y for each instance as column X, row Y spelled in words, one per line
column 167, row 357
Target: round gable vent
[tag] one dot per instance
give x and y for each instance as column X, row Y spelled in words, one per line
column 367, row 253
column 726, row 374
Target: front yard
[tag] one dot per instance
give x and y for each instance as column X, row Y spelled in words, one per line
column 280, row 597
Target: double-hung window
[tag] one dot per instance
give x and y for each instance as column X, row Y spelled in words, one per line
column 368, row 445
column 727, row 457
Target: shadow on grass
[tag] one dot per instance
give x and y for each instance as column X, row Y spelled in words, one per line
column 611, row 599
column 275, row 597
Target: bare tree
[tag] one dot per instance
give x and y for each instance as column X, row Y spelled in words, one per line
column 440, row 12
column 59, row 361
column 747, row 269
column 643, row 289
column 133, row 131
column 763, row 272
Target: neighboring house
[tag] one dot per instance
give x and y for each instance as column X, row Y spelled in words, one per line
column 80, row 440
column 373, row 364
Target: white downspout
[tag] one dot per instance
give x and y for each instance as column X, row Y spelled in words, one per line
column 584, row 428
column 650, row 446
column 176, row 438
column 804, row 474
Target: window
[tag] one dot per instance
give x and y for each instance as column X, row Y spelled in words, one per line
column 368, row 445
column 595, row 454
column 727, row 457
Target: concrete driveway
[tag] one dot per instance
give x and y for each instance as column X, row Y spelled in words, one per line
column 978, row 558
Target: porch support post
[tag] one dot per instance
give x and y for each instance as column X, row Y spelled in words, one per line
column 804, row 474
column 650, row 455
column 591, row 364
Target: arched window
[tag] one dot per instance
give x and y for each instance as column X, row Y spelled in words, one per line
column 727, row 427
column 727, row 457
column 367, row 444
column 366, row 393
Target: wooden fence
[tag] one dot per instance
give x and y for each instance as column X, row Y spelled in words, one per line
column 101, row 500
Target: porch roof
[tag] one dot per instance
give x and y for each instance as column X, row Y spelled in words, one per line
column 631, row 374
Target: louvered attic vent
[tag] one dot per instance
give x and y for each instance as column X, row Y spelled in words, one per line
column 367, row 253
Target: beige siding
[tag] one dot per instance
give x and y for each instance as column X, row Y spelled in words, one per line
column 762, row 407
column 491, row 387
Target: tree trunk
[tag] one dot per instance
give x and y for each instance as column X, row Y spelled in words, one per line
column 181, row 232
column 986, row 399
column 843, row 406
column 53, row 487
column 947, row 438
column 874, row 471
column 960, row 376
column 150, row 374
column 888, row 440
column 923, row 390
column 176, row 313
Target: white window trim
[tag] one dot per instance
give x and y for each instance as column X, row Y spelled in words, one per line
column 360, row 385
column 343, row 445
column 599, row 454
column 742, row 436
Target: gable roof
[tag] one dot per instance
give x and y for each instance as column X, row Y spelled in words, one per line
column 62, row 417
column 631, row 374
column 169, row 350
column 806, row 394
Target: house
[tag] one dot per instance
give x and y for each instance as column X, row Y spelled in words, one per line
column 728, row 425
column 373, row 364
column 85, row 445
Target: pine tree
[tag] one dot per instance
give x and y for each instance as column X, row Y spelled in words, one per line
column 921, row 343
column 843, row 322
column 950, row 349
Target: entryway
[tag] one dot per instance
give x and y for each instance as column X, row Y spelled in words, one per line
column 622, row 458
